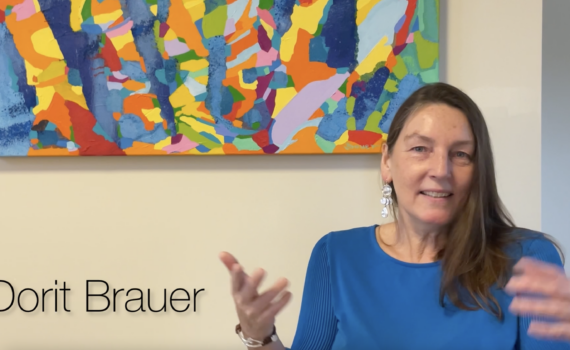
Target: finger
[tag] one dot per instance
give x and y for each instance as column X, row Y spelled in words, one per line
column 238, row 278
column 554, row 287
column 228, row 260
column 270, row 313
column 249, row 290
column 532, row 266
column 265, row 299
column 559, row 309
column 555, row 331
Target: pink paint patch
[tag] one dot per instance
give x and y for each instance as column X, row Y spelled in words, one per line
column 337, row 96
column 111, row 85
column 410, row 38
column 183, row 144
column 117, row 74
column 265, row 59
column 122, row 30
column 266, row 17
column 230, row 27
column 24, row 10
column 266, row 94
column 175, row 47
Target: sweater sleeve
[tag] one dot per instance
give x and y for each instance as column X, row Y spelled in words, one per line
column 317, row 324
column 544, row 250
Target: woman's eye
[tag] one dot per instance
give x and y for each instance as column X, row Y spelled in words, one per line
column 419, row 149
column 462, row 155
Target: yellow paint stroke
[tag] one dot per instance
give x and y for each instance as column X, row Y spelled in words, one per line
column 342, row 139
column 199, row 127
column 306, row 18
column 283, row 97
column 364, row 9
column 45, row 95
column 202, row 79
column 170, row 35
column 120, row 41
column 54, row 70
column 182, row 98
column 71, row 93
column 75, row 18
column 45, row 44
column 153, row 114
column 31, row 72
column 194, row 65
column 161, row 144
column 154, row 9
column 107, row 17
column 379, row 53
column 267, row 28
column 196, row 8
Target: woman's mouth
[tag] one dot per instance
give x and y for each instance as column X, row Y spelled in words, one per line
column 434, row 194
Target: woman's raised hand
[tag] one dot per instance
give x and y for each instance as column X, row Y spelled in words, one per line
column 256, row 312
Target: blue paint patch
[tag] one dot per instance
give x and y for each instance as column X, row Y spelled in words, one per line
column 400, row 23
column 210, row 137
column 341, row 35
column 278, row 81
column 276, row 40
column 162, row 10
column 61, row 143
column 227, row 101
column 48, row 138
column 317, row 50
column 33, row 135
column 366, row 102
column 50, row 127
column 407, row 86
column 114, row 101
column 281, row 11
column 200, row 30
column 132, row 127
column 216, row 75
column 14, row 139
column 332, row 126
column 416, row 25
column 99, row 131
column 73, row 77
column 170, row 70
column 183, row 75
column 18, row 68
column 228, row 139
column 125, row 143
column 133, row 70
column 202, row 149
column 201, row 97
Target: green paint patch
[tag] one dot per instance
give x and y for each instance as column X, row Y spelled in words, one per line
column 188, row 56
column 431, row 75
column 410, row 57
column 72, row 134
column 326, row 146
column 290, row 82
column 350, row 105
column 86, row 10
column 391, row 85
column 193, row 135
column 426, row 50
column 373, row 121
column 400, row 70
column 342, row 88
column 366, row 77
column 39, row 144
column 319, row 30
column 255, row 125
column 245, row 144
column 214, row 22
column 265, row 4
column 152, row 2
column 429, row 20
column 351, row 123
column 237, row 96
column 156, row 104
column 118, row 131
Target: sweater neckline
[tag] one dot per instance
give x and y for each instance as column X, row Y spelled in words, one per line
column 388, row 257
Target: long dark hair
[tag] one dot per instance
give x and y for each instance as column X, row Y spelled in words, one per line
column 474, row 257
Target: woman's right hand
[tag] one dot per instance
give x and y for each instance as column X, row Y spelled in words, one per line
column 256, row 312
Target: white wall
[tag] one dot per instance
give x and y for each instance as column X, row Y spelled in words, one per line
column 555, row 120
column 160, row 222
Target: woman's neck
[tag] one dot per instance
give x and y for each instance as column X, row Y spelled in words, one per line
column 410, row 243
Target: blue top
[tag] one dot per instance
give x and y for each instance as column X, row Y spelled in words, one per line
column 357, row 297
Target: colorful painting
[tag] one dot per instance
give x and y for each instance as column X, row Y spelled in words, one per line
column 209, row 77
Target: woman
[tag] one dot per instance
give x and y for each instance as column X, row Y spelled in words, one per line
column 435, row 278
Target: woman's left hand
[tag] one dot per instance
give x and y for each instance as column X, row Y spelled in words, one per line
column 550, row 282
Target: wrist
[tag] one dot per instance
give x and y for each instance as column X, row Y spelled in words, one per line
column 257, row 340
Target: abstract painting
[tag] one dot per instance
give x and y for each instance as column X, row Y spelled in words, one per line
column 209, row 77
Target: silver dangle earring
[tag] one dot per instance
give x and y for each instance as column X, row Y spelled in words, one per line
column 386, row 200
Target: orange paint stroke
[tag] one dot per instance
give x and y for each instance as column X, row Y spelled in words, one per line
column 181, row 22
column 134, row 104
column 243, row 44
column 301, row 68
column 58, row 114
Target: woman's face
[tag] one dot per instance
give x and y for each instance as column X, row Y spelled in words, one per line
column 431, row 165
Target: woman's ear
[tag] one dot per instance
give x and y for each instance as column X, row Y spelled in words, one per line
column 385, row 164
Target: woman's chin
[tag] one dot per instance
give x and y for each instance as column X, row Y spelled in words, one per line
column 435, row 219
